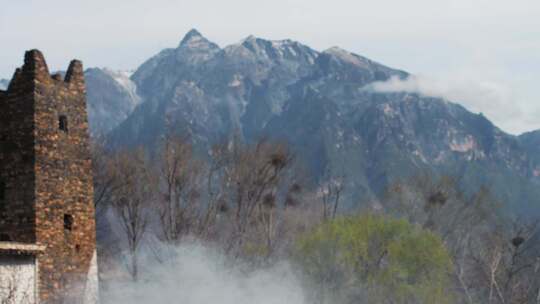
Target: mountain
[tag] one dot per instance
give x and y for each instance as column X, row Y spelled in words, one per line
column 531, row 142
column 209, row 92
column 374, row 138
column 4, row 84
column 111, row 97
column 322, row 104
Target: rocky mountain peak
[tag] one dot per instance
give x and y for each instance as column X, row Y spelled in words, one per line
column 193, row 34
column 195, row 40
column 195, row 49
column 249, row 39
column 273, row 49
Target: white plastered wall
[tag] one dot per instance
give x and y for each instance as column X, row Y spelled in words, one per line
column 18, row 283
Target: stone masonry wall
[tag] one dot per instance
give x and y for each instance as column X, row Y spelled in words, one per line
column 64, row 218
column 17, row 159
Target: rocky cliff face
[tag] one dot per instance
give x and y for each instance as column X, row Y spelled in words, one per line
column 323, row 105
column 337, row 123
column 531, row 143
column 111, row 96
column 208, row 92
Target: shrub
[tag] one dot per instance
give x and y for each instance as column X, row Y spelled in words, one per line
column 375, row 259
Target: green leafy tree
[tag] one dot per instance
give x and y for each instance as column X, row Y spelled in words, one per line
column 375, row 259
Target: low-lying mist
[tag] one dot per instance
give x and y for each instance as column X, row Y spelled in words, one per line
column 198, row 274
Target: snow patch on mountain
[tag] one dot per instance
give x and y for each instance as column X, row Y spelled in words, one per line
column 274, row 49
column 123, row 79
column 111, row 97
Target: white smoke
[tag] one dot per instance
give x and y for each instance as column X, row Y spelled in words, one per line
column 200, row 275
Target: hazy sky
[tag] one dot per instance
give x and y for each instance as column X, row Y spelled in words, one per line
column 486, row 53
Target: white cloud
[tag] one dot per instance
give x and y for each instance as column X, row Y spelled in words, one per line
column 498, row 101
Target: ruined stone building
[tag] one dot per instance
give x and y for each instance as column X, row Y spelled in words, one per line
column 47, row 217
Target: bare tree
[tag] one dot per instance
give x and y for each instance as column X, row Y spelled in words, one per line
column 252, row 189
column 104, row 182
column 181, row 208
column 131, row 200
column 506, row 264
column 438, row 204
column 494, row 261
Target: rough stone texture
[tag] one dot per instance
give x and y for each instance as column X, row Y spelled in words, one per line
column 47, row 175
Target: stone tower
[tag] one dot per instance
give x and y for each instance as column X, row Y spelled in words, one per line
column 47, row 217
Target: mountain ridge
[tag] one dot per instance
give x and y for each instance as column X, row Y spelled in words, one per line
column 321, row 104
